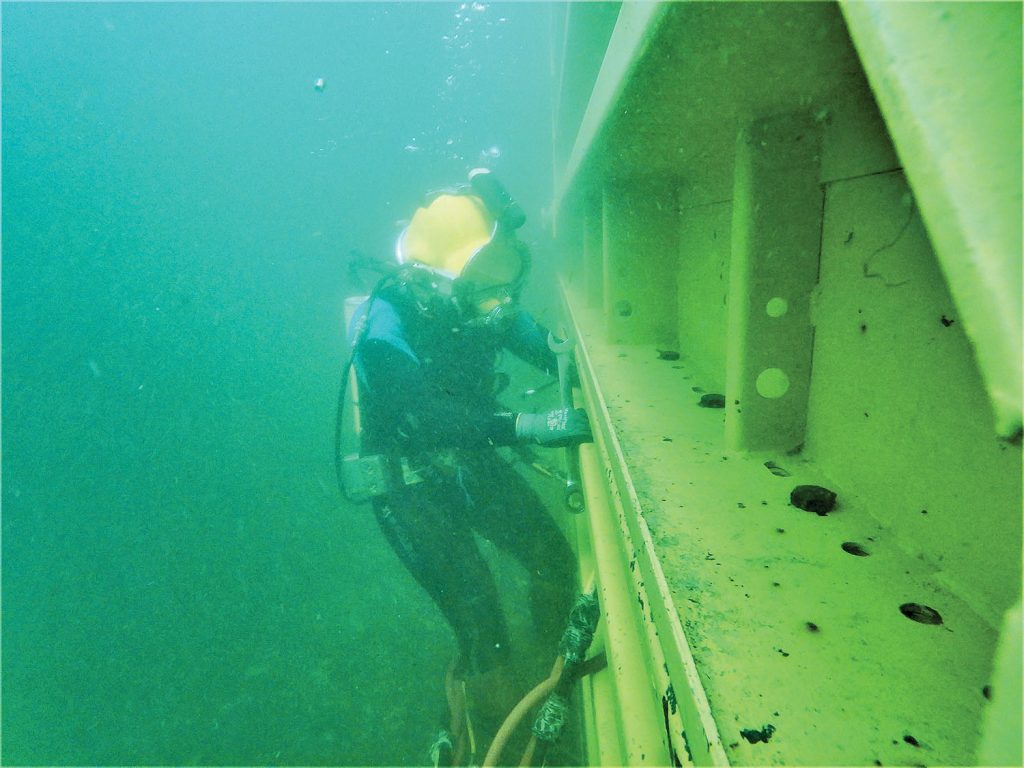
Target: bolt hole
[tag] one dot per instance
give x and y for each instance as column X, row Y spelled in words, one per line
column 776, row 307
column 921, row 613
column 772, row 383
column 623, row 309
column 855, row 549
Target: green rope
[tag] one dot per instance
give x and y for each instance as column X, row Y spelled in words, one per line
column 579, row 632
column 551, row 718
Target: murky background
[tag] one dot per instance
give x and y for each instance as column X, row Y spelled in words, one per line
column 181, row 583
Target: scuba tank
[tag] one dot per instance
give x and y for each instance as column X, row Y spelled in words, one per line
column 360, row 478
column 353, row 427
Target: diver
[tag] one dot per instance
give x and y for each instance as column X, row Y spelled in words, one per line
column 425, row 349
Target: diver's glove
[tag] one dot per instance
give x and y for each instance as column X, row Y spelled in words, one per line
column 554, row 429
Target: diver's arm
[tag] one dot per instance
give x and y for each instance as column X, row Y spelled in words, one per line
column 528, row 340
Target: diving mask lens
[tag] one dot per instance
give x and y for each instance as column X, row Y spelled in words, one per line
column 490, row 307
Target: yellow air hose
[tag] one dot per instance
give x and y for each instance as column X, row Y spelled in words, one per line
column 569, row 666
column 528, row 702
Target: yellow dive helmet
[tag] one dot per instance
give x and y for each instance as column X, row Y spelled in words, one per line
column 469, row 249
column 445, row 235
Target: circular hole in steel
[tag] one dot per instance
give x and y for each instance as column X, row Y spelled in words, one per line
column 772, row 383
column 922, row 614
column 776, row 307
column 855, row 549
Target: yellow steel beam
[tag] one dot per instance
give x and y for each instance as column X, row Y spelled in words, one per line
column 635, row 27
column 651, row 695
column 947, row 78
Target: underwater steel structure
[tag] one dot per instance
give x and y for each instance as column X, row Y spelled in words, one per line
column 791, row 256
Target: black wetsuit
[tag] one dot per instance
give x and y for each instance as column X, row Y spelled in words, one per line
column 427, row 396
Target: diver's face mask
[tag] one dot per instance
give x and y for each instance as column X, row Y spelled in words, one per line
column 491, row 308
column 464, row 303
column 487, row 291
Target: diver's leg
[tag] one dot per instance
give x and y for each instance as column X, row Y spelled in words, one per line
column 508, row 512
column 426, row 525
column 428, row 528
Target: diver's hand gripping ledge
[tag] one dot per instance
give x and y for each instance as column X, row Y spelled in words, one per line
column 558, row 428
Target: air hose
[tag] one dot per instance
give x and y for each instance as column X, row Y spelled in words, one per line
column 554, row 690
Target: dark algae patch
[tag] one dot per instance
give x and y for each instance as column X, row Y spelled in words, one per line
column 755, row 735
column 813, row 498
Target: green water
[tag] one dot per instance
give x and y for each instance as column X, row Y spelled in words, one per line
column 181, row 581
